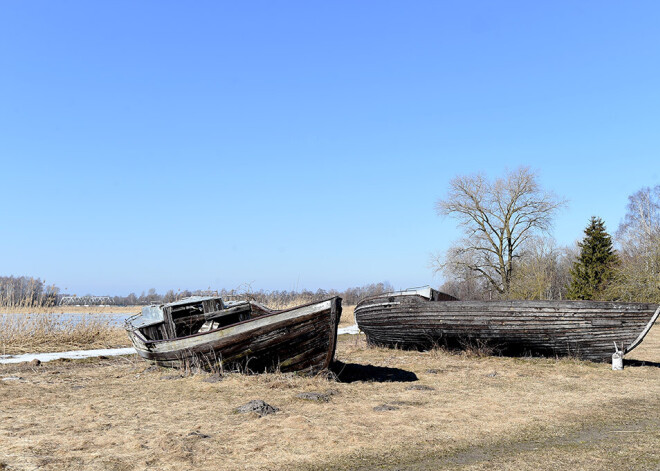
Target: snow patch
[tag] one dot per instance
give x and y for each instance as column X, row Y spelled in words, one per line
column 351, row 330
column 73, row 355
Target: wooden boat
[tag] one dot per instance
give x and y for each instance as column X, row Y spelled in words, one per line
column 423, row 318
column 206, row 331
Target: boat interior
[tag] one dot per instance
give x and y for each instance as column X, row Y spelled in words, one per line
column 192, row 316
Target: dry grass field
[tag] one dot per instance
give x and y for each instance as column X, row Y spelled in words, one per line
column 442, row 411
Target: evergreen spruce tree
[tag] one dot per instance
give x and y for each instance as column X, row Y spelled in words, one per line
column 595, row 265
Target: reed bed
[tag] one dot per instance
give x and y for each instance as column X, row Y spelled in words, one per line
column 52, row 332
column 108, row 309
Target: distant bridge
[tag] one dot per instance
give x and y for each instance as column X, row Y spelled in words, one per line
column 85, row 300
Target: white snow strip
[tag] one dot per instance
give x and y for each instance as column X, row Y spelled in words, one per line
column 74, row 355
column 351, row 330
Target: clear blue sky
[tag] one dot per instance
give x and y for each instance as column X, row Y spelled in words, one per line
column 303, row 144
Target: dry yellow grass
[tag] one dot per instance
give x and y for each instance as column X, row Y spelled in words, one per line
column 347, row 317
column 483, row 412
column 33, row 333
column 71, row 309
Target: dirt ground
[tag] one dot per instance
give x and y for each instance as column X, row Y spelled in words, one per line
column 389, row 409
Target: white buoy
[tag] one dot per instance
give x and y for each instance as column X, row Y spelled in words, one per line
column 617, row 359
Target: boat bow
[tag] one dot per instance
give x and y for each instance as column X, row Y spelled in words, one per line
column 639, row 339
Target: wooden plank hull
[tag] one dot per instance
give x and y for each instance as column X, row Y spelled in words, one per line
column 583, row 329
column 299, row 339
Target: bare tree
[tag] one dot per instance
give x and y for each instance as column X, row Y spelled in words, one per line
column 638, row 275
column 497, row 218
column 26, row 291
column 641, row 225
column 467, row 285
column 542, row 271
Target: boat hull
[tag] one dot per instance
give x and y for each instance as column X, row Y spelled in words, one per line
column 299, row 339
column 581, row 329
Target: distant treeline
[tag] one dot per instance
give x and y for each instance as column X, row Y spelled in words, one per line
column 271, row 298
column 25, row 291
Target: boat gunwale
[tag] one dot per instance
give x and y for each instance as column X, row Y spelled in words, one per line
column 583, row 303
column 271, row 313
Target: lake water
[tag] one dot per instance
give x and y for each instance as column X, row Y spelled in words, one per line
column 114, row 318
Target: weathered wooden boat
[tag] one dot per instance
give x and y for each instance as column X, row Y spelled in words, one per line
column 423, row 318
column 245, row 335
